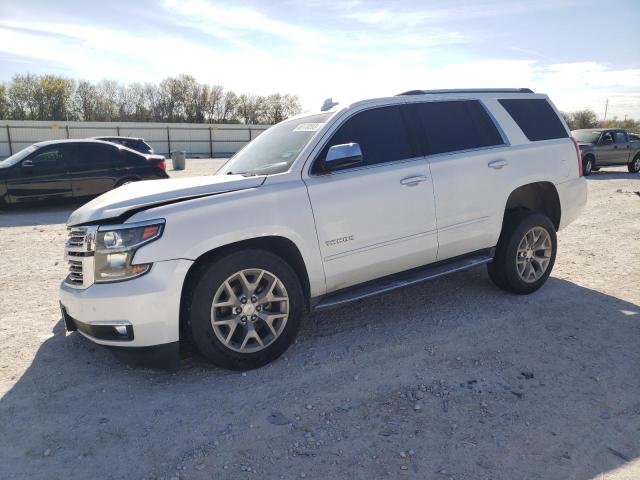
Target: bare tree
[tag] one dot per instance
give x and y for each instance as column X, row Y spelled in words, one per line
column 174, row 99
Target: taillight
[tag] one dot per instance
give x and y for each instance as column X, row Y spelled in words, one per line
column 580, row 166
column 162, row 165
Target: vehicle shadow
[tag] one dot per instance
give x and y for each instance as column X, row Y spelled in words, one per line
column 613, row 175
column 77, row 412
column 31, row 216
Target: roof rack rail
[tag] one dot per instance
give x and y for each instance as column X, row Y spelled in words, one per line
column 467, row 90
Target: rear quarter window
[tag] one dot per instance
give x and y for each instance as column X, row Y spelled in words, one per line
column 536, row 118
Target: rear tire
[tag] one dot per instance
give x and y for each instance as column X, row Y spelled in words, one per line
column 525, row 253
column 634, row 166
column 241, row 295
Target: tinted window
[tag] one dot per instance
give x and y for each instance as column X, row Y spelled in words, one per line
column 381, row 133
column 633, row 137
column 130, row 158
column 620, row 137
column 535, row 117
column 47, row 157
column 94, row 156
column 456, row 125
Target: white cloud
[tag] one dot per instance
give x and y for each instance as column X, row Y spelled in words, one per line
column 344, row 63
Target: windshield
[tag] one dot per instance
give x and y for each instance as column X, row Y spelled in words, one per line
column 17, row 157
column 585, row 136
column 275, row 150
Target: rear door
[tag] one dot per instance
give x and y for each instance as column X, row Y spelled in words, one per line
column 463, row 144
column 376, row 218
column 43, row 175
column 95, row 168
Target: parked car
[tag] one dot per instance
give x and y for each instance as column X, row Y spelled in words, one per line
column 320, row 210
column 604, row 147
column 137, row 144
column 62, row 169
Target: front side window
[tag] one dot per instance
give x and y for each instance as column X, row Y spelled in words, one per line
column 380, row 132
column 451, row 126
column 47, row 157
column 607, row 138
column 275, row 150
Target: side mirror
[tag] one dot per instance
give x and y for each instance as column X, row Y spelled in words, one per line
column 342, row 156
column 27, row 164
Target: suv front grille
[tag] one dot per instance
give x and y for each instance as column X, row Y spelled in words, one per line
column 79, row 252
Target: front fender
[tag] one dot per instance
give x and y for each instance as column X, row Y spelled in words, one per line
column 198, row 226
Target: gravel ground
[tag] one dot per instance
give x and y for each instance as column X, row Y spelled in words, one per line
column 452, row 379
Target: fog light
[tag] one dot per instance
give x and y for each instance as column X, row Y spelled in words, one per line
column 121, row 330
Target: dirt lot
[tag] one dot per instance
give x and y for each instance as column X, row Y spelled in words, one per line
column 450, row 379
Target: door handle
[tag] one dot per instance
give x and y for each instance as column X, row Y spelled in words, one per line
column 413, row 181
column 497, row 164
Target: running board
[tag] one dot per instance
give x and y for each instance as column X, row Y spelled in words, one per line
column 403, row 279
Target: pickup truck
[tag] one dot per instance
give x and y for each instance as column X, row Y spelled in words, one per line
column 323, row 209
column 605, row 147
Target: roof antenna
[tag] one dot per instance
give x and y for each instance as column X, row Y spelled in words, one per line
column 328, row 104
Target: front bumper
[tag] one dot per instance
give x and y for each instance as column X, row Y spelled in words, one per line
column 147, row 307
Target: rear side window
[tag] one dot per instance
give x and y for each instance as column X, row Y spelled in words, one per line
column 535, row 117
column 620, row 137
column 381, row 133
column 131, row 159
column 454, row 126
column 95, row 156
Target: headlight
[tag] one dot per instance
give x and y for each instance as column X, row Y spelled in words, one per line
column 117, row 244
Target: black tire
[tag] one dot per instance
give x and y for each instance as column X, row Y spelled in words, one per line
column 587, row 165
column 634, row 165
column 207, row 282
column 503, row 270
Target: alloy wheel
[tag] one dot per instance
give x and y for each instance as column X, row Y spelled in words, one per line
column 250, row 310
column 534, row 254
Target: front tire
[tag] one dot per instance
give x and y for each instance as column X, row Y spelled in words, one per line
column 634, row 166
column 245, row 309
column 525, row 253
column 587, row 165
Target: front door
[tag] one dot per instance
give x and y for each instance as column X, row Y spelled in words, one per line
column 606, row 150
column 378, row 217
column 42, row 175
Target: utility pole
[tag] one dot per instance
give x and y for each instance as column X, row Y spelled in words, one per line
column 606, row 108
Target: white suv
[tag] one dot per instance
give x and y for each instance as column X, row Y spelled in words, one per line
column 320, row 210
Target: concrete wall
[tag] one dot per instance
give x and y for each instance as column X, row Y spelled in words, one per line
column 198, row 140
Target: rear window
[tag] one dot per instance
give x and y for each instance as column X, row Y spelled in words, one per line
column 535, row 117
column 455, row 125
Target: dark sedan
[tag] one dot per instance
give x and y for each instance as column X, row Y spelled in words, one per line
column 62, row 169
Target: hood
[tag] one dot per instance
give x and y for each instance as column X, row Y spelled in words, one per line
column 148, row 193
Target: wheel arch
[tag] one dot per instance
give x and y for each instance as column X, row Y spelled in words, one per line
column 541, row 197
column 278, row 245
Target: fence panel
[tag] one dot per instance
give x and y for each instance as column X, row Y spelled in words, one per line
column 201, row 140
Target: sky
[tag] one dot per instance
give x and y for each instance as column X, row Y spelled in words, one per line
column 580, row 53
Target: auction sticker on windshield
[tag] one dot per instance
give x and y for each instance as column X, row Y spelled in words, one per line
column 308, row 127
